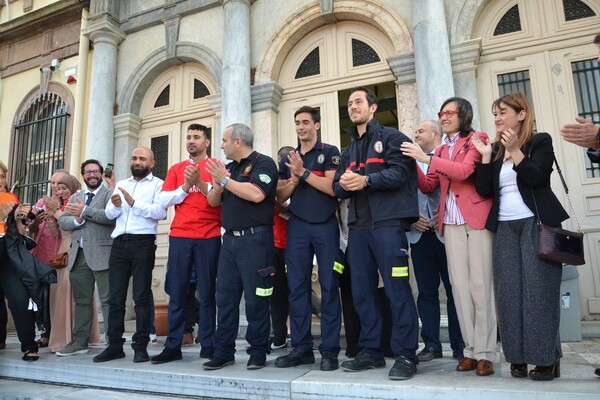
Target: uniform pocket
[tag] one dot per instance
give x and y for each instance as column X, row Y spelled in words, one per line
column 266, row 275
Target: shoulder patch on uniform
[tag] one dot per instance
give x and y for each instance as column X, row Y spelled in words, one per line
column 264, row 178
column 337, row 160
column 378, row 146
column 321, row 159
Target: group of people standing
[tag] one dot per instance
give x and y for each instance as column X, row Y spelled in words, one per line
column 463, row 206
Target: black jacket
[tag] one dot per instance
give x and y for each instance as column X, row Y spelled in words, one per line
column 533, row 179
column 35, row 275
column 393, row 191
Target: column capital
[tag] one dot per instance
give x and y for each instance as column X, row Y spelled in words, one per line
column 266, row 96
column 465, row 55
column 104, row 31
column 248, row 2
column 403, row 68
column 127, row 125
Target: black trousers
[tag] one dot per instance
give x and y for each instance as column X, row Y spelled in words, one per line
column 279, row 300
column 18, row 302
column 130, row 256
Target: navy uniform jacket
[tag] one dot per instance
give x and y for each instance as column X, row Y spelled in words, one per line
column 393, row 191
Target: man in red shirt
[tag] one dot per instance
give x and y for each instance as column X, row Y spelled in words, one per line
column 194, row 243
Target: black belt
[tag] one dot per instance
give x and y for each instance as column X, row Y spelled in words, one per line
column 132, row 236
column 249, row 231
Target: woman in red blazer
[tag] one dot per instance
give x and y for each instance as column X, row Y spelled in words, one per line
column 462, row 216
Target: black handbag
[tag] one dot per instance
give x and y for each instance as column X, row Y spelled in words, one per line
column 557, row 244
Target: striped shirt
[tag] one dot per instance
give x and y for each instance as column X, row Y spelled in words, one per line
column 452, row 214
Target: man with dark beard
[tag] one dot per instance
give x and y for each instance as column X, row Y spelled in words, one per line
column 90, row 249
column 136, row 207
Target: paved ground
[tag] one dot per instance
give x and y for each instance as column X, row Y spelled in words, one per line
column 78, row 377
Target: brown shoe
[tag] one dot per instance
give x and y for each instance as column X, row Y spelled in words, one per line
column 188, row 340
column 484, row 368
column 466, row 364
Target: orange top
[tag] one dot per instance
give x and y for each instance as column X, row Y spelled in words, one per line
column 6, row 197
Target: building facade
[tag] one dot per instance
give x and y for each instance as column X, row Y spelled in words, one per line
column 94, row 79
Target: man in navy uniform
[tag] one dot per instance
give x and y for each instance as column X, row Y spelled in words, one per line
column 381, row 184
column 246, row 189
column 312, row 230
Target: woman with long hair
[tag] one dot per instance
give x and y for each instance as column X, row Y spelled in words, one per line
column 515, row 172
column 462, row 216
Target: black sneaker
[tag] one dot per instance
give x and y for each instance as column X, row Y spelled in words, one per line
column 278, row 345
column 363, row 361
column 140, row 355
column 167, row 355
column 428, row 354
column 329, row 362
column 296, row 357
column 256, row 361
column 403, row 369
column 207, row 352
column 110, row 353
column 217, row 363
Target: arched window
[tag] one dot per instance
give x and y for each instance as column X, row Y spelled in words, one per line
column 363, row 54
column 510, row 22
column 310, row 66
column 163, row 97
column 200, row 90
column 576, row 9
column 39, row 146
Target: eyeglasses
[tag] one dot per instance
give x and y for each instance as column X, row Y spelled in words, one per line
column 91, row 171
column 447, row 114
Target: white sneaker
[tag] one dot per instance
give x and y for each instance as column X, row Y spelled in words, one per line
column 72, row 349
column 153, row 338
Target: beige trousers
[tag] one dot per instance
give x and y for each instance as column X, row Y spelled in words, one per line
column 469, row 253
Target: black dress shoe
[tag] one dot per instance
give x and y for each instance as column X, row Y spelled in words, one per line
column 140, row 355
column 217, row 363
column 597, row 371
column 167, row 355
column 295, row 358
column 110, row 353
column 545, row 373
column 518, row 370
column 256, row 361
column 329, row 362
column 428, row 354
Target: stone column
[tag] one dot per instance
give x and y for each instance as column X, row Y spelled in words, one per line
column 403, row 68
column 465, row 56
column 432, row 56
column 100, row 130
column 235, row 91
column 265, row 116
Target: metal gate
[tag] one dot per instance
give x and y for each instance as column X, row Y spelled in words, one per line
column 38, row 147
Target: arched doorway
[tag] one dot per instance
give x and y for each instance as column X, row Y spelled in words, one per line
column 545, row 50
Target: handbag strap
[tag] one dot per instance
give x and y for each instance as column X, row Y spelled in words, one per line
column 564, row 184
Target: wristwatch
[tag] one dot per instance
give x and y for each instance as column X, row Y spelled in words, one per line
column 224, row 181
column 368, row 182
column 305, row 175
column 598, row 137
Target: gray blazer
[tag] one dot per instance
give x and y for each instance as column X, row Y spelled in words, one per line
column 95, row 231
column 428, row 204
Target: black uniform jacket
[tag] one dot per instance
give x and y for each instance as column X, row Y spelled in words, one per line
column 533, row 179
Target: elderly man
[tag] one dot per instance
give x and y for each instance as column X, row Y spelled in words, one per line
column 136, row 207
column 246, row 189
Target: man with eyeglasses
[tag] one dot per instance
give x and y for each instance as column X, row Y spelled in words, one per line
column 88, row 259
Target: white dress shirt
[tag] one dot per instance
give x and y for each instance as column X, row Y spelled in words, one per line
column 141, row 218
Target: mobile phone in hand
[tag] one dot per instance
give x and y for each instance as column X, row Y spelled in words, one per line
column 108, row 171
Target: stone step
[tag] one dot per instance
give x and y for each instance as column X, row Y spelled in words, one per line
column 435, row 379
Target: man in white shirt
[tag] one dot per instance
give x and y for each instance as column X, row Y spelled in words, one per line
column 136, row 207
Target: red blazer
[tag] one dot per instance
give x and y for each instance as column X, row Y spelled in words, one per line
column 457, row 174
